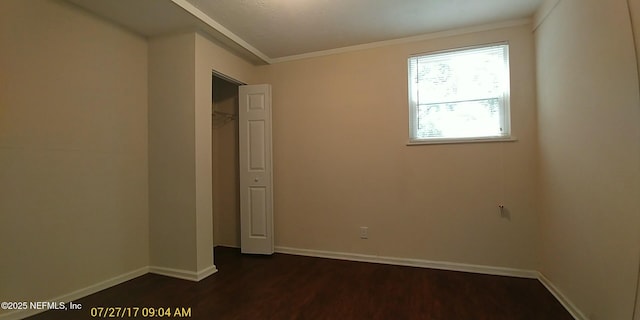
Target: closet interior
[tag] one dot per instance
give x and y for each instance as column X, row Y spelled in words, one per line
column 225, row 163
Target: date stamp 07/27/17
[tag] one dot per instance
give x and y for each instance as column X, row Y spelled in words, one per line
column 101, row 311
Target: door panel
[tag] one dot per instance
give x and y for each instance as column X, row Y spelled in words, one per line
column 258, row 199
column 256, row 145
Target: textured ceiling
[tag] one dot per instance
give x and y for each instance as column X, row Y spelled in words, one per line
column 280, row 28
column 268, row 31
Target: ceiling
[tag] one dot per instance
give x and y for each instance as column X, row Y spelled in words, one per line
column 266, row 31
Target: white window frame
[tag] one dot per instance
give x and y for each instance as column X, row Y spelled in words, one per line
column 504, row 103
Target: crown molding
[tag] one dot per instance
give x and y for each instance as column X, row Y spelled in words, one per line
column 418, row 38
column 203, row 17
column 543, row 12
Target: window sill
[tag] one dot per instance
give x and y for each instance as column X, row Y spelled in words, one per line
column 461, row 140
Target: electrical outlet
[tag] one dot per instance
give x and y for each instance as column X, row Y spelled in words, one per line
column 364, row 232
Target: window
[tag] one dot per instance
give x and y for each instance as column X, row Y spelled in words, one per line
column 460, row 95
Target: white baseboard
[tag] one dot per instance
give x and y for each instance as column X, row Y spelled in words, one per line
column 184, row 274
column 442, row 265
column 75, row 295
column 206, row 272
column 566, row 303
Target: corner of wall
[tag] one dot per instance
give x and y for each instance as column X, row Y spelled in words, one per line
column 543, row 11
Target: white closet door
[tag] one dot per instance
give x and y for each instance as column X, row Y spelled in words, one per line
column 256, row 185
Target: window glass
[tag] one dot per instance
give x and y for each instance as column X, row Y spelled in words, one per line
column 460, row 94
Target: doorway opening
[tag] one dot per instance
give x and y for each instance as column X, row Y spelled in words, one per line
column 241, row 159
column 225, row 162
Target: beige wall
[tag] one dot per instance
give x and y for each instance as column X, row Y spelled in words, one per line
column 340, row 162
column 172, row 175
column 226, row 197
column 589, row 155
column 73, row 150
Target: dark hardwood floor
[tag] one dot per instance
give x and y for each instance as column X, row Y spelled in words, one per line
column 293, row 287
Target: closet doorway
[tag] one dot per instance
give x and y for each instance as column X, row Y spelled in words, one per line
column 225, row 162
column 242, row 166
